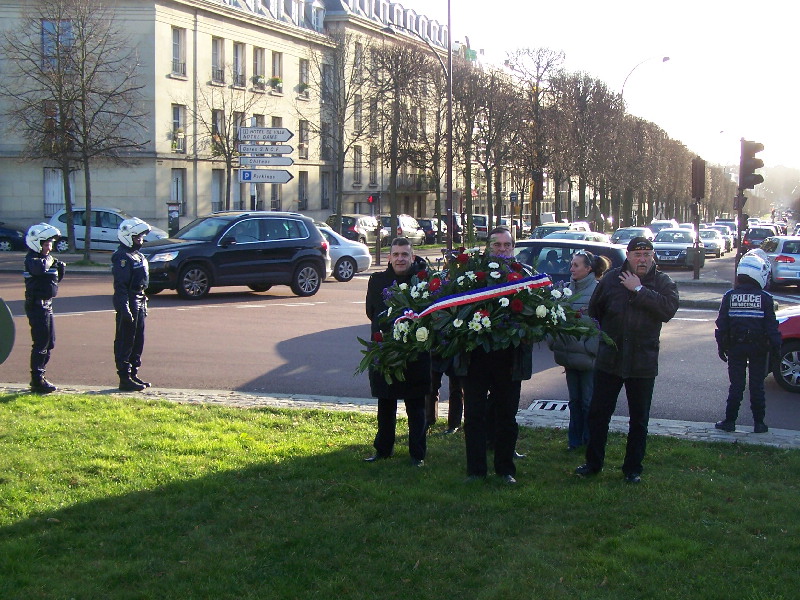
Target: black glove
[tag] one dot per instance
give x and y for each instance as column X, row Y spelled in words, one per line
column 723, row 354
column 60, row 267
column 774, row 357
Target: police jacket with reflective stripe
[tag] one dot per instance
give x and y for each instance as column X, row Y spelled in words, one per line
column 747, row 316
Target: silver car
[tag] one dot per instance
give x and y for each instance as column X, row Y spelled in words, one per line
column 782, row 252
column 347, row 257
column 105, row 223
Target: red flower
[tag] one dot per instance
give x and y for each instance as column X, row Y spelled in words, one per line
column 516, row 305
column 422, row 275
column 462, row 259
column 434, row 284
column 377, row 336
column 483, row 313
column 480, row 275
column 514, row 276
column 516, row 266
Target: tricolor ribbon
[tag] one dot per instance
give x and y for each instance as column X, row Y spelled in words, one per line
column 504, row 289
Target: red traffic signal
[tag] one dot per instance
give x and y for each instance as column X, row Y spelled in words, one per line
column 748, row 163
column 698, row 178
column 374, row 199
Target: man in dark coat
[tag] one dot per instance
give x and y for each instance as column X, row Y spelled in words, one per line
column 403, row 265
column 630, row 303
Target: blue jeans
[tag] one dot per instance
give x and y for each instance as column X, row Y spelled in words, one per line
column 580, row 385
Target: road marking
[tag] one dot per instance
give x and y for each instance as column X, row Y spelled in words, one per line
column 549, row 405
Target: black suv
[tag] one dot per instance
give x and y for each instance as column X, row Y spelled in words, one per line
column 256, row 249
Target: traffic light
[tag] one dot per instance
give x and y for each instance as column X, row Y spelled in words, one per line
column 374, row 199
column 748, row 163
column 698, row 178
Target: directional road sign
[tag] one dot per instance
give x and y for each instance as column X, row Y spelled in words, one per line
column 266, row 161
column 272, row 149
column 264, row 176
column 265, row 134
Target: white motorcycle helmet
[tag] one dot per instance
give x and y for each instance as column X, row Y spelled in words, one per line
column 39, row 233
column 130, row 228
column 754, row 267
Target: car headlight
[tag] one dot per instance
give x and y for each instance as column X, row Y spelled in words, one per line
column 164, row 256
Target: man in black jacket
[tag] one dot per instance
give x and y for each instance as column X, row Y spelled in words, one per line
column 403, row 265
column 630, row 303
column 42, row 275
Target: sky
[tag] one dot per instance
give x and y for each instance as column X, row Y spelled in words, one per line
column 732, row 71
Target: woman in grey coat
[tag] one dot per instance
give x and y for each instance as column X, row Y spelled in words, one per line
column 577, row 355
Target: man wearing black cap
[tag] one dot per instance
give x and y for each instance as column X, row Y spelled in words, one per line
column 630, row 303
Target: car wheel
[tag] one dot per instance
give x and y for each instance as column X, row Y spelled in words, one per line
column 260, row 287
column 344, row 269
column 194, row 282
column 306, row 280
column 787, row 369
column 5, row 245
column 719, row 253
column 62, row 246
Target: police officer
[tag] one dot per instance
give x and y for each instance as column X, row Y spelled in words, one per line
column 131, row 276
column 747, row 332
column 42, row 275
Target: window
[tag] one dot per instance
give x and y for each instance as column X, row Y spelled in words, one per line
column 54, row 191
column 358, row 121
column 325, row 141
column 260, row 120
column 179, row 51
column 423, row 117
column 373, row 117
column 217, row 60
column 317, row 17
column 57, row 41
column 325, row 190
column 239, row 120
column 357, row 165
column 277, row 121
column 218, row 132
column 302, row 190
column 176, row 194
column 327, row 83
column 302, row 148
column 239, row 65
column 373, row 165
column 303, row 86
column 277, row 66
column 178, row 128
column 259, row 69
column 358, row 63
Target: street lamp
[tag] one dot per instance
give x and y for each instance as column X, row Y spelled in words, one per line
column 448, row 73
column 663, row 60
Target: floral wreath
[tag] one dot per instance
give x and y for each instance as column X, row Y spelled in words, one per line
column 475, row 301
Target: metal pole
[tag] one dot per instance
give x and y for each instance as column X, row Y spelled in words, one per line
column 449, row 157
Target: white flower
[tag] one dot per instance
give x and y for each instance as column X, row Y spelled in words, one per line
column 460, row 280
column 457, row 323
column 555, row 294
column 388, row 311
column 422, row 334
column 403, row 286
column 495, row 274
column 474, row 325
column 414, row 293
column 504, row 301
column 541, row 311
column 567, row 292
column 425, row 294
column 471, row 275
column 493, row 265
column 486, row 322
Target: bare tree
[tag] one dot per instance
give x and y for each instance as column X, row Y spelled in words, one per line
column 73, row 92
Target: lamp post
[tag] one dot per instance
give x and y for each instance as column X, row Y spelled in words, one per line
column 663, row 60
column 448, row 73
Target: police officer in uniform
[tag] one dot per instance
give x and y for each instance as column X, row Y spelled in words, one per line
column 747, row 332
column 131, row 276
column 42, row 275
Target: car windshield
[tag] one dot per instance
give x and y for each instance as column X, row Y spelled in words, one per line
column 759, row 232
column 674, row 236
column 706, row 235
column 203, row 229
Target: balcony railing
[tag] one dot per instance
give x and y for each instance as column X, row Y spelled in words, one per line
column 239, row 80
column 178, row 67
column 416, row 182
column 217, row 75
column 178, row 143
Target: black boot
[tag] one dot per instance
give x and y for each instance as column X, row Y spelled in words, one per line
column 40, row 385
column 126, row 384
column 760, row 427
column 139, row 381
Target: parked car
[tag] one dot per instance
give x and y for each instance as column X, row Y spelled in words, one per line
column 408, row 228
column 672, row 247
column 105, row 224
column 623, row 235
column 658, row 225
column 553, row 256
column 11, row 238
column 431, row 228
column 713, row 242
column 545, row 229
column 734, row 227
column 256, row 249
column 786, row 369
column 359, row 228
column 347, row 257
column 782, row 252
column 569, row 234
column 755, row 235
column 726, row 235
column 481, row 224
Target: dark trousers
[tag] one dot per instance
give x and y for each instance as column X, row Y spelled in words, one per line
column 129, row 342
column 387, row 425
column 604, row 400
column 491, row 376
column 740, row 357
column 455, row 403
column 43, row 334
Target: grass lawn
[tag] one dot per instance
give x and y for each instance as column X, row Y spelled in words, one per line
column 106, row 497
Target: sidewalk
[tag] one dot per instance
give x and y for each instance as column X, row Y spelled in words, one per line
column 531, row 417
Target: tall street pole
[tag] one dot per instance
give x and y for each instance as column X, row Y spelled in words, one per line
column 449, row 157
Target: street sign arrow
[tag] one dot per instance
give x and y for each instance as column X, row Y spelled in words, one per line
column 266, row 161
column 265, row 149
column 265, row 134
column 264, row 176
